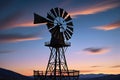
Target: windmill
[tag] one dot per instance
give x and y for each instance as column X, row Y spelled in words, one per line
column 60, row 25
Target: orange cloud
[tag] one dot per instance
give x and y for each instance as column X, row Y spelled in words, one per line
column 96, row 50
column 27, row 24
column 96, row 8
column 13, row 24
column 107, row 27
column 15, row 20
column 24, row 39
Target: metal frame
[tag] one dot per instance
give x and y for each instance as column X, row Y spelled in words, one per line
column 57, row 65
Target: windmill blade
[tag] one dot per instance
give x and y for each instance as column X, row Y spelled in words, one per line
column 70, row 24
column 70, row 28
column 65, row 14
column 39, row 19
column 68, row 18
column 50, row 17
column 53, row 30
column 70, row 33
column 57, row 11
column 66, row 35
column 53, row 12
column 61, row 12
column 50, row 25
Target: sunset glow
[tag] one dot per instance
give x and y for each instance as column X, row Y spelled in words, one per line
column 95, row 44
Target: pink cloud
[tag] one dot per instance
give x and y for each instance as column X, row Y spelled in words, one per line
column 28, row 24
column 107, row 27
column 13, row 24
column 96, row 8
column 15, row 20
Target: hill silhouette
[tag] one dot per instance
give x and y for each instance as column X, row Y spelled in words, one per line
column 100, row 77
column 11, row 75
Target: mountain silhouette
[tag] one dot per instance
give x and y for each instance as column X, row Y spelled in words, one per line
column 100, row 77
column 11, row 75
column 83, row 76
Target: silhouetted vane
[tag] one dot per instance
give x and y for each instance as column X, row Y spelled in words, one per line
column 39, row 19
column 59, row 24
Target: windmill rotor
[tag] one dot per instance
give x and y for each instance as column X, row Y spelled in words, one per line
column 60, row 18
column 59, row 23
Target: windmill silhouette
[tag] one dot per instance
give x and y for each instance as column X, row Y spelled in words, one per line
column 60, row 26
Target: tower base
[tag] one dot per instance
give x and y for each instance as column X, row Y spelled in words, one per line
column 40, row 75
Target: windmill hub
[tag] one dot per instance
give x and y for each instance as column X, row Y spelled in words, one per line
column 61, row 23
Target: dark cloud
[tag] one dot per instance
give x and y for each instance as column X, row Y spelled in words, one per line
column 10, row 21
column 93, row 49
column 95, row 66
column 13, row 14
column 5, row 51
column 96, row 50
column 5, row 3
column 17, row 37
column 115, row 66
column 16, row 14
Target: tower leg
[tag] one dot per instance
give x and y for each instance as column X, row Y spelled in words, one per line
column 57, row 68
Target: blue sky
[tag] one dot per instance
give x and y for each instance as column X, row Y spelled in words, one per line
column 95, row 42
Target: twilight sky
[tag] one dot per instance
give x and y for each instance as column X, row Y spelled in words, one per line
column 95, row 42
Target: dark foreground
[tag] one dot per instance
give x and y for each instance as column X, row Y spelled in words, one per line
column 11, row 75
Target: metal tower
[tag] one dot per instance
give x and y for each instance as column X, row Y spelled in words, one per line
column 60, row 26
